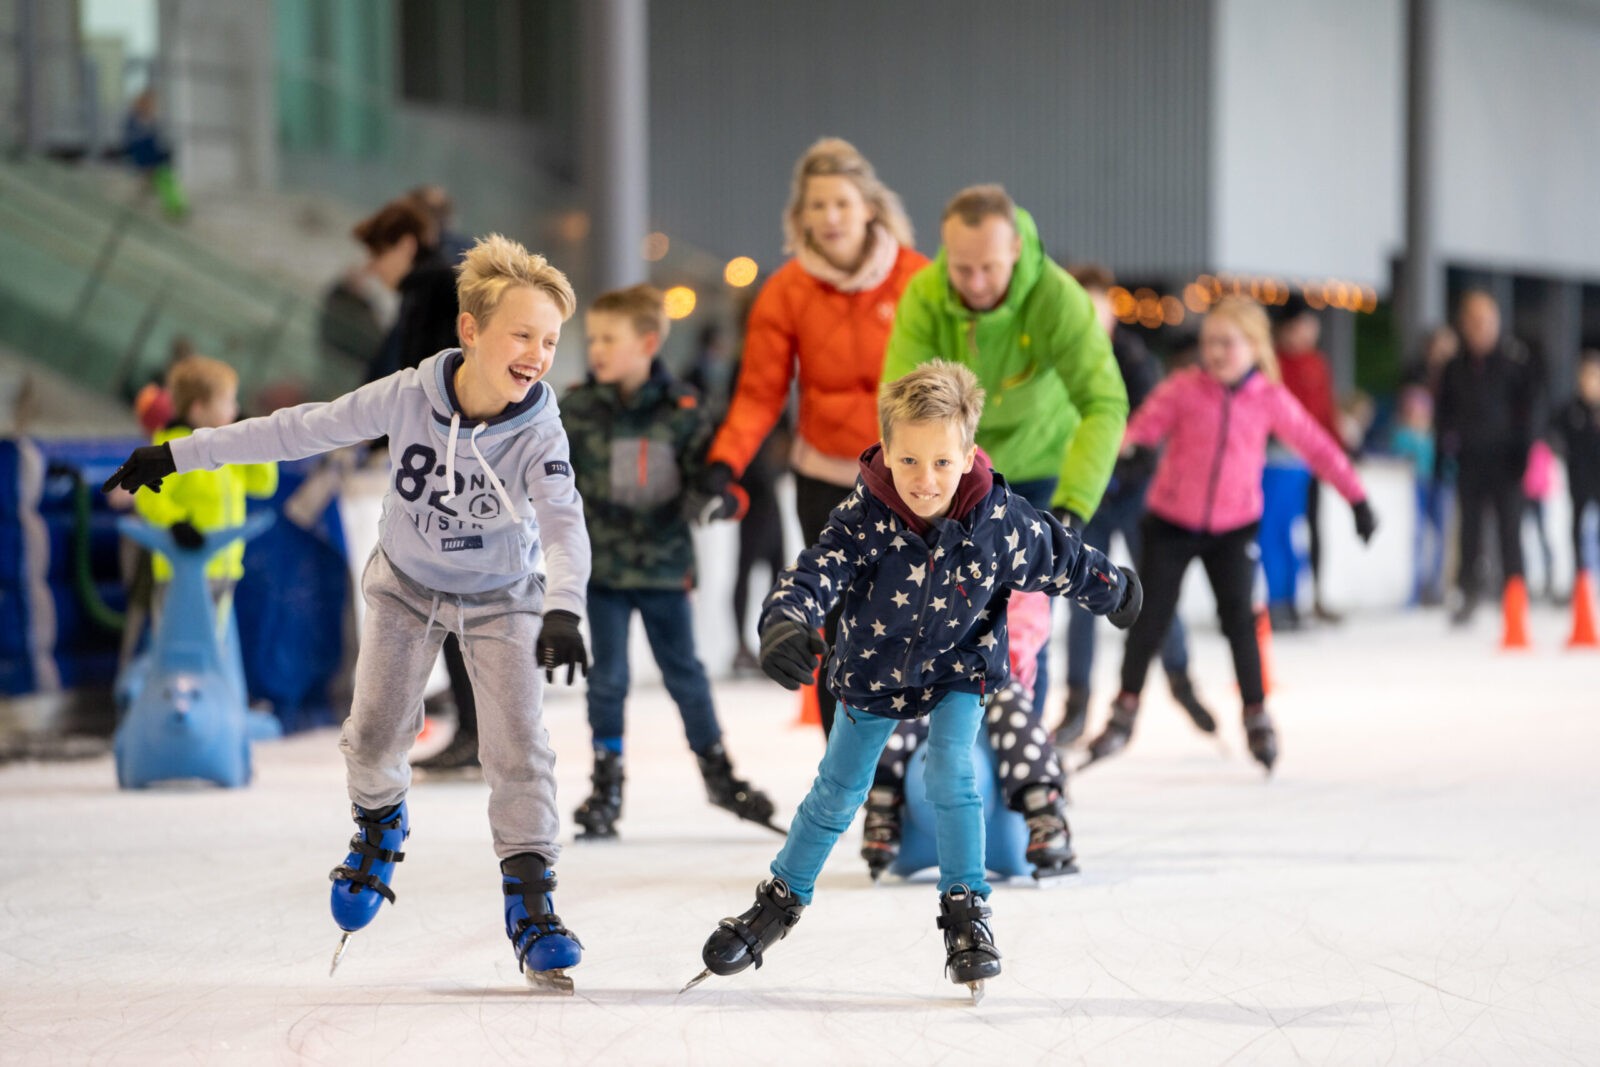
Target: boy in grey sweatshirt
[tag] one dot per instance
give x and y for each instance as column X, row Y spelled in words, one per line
column 481, row 488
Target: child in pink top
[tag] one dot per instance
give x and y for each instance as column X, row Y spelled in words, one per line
column 1205, row 501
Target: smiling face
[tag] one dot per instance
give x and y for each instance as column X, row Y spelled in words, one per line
column 926, row 460
column 1226, row 351
column 834, row 216
column 618, row 353
column 507, row 352
column 980, row 259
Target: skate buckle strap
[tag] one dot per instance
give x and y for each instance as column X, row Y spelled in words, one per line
column 370, row 853
column 543, row 925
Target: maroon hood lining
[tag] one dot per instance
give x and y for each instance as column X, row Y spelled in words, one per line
column 970, row 492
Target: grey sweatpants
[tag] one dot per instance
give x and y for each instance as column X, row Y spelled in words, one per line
column 400, row 638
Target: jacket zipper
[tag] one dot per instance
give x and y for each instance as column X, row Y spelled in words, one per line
column 1216, row 464
column 927, row 594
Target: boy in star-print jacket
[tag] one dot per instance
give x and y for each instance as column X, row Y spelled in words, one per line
column 923, row 554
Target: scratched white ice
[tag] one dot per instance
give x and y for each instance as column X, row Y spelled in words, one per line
column 1416, row 884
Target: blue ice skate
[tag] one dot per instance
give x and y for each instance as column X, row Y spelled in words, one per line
column 545, row 948
column 361, row 882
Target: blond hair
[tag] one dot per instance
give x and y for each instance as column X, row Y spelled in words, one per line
column 198, row 380
column 936, row 391
column 836, row 157
column 643, row 306
column 978, row 202
column 497, row 263
column 1251, row 319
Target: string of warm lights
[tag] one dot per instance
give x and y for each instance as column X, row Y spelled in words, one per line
column 1151, row 309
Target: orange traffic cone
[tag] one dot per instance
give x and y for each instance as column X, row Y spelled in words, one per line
column 1583, row 629
column 1264, row 643
column 1514, row 603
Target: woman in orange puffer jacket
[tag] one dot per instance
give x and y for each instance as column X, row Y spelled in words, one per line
column 825, row 314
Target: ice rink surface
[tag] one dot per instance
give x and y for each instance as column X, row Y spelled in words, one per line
column 1418, row 884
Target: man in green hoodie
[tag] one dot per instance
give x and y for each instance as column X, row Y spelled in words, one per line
column 994, row 301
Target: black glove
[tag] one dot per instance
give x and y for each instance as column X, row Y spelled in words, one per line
column 187, row 536
column 1366, row 521
column 714, row 496
column 144, row 469
column 561, row 645
column 1137, row 466
column 789, row 652
column 1132, row 600
column 1069, row 518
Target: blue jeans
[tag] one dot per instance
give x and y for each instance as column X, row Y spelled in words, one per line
column 1433, row 500
column 670, row 628
column 1038, row 493
column 1119, row 514
column 845, row 774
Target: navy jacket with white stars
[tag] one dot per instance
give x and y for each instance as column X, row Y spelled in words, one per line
column 924, row 601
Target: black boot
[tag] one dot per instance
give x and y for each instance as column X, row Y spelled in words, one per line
column 880, row 837
column 599, row 814
column 459, row 756
column 1260, row 735
column 1049, row 836
column 1074, row 717
column 969, row 953
column 730, row 793
column 1119, row 729
column 737, row 943
column 1183, row 693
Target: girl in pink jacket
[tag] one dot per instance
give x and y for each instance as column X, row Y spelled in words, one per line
column 1205, row 501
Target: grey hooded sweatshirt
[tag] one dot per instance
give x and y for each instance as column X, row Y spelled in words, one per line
column 470, row 504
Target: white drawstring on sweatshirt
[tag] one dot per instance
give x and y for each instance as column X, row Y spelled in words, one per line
column 488, row 472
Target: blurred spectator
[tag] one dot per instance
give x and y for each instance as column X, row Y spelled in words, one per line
column 1413, row 440
column 1578, row 437
column 824, row 318
column 1484, row 422
column 713, row 370
column 435, row 202
column 400, row 238
column 348, row 326
column 1426, row 369
column 147, row 148
column 1296, row 331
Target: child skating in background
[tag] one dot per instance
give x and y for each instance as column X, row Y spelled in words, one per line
column 205, row 395
column 482, row 486
column 1413, row 440
column 1537, row 481
column 1205, row 501
column 639, row 438
column 921, row 557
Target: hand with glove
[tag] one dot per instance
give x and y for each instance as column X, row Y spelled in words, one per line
column 144, row 469
column 715, row 496
column 789, row 652
column 561, row 645
column 187, row 536
column 1366, row 521
column 1136, row 465
column 1127, row 610
column 1069, row 518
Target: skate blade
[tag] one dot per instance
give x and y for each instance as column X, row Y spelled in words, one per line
column 555, row 981
column 338, row 953
column 1045, row 876
column 976, row 989
column 696, row 980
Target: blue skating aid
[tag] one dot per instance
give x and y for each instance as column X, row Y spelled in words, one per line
column 361, row 882
column 545, row 948
column 186, row 716
column 1005, row 832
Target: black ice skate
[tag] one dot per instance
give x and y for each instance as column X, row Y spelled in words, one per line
column 1183, row 692
column 737, row 943
column 1049, row 836
column 597, row 817
column 1262, row 738
column 734, row 794
column 1119, row 729
column 458, row 758
column 970, row 955
column 880, row 836
column 1074, row 717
